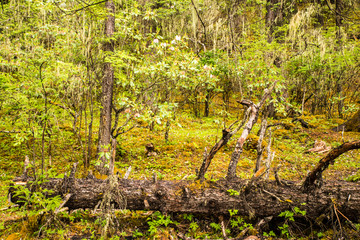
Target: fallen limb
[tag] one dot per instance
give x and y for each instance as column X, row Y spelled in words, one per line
column 315, row 176
column 259, row 199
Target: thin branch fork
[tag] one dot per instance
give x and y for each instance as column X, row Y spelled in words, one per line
column 226, row 135
column 254, row 114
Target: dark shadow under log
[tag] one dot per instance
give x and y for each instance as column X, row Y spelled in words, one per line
column 254, row 199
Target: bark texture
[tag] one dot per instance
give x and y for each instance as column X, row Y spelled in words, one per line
column 250, row 198
column 226, row 135
column 107, row 84
column 254, row 114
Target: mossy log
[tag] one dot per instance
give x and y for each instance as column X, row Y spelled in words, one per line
column 251, row 198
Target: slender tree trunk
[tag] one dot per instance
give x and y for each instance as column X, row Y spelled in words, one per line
column 338, row 20
column 107, row 83
column 167, row 130
column 260, row 148
column 272, row 17
column 240, row 142
column 207, row 104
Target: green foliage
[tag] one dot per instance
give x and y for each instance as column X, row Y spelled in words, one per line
column 289, row 217
column 158, row 220
column 354, row 178
column 167, row 67
column 37, row 202
column 233, row 192
column 215, row 226
column 270, row 234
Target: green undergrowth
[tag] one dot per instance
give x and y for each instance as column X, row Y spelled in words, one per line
column 175, row 159
column 85, row 224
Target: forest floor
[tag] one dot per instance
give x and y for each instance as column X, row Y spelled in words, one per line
column 177, row 159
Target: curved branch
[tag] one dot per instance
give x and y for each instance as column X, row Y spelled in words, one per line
column 315, row 176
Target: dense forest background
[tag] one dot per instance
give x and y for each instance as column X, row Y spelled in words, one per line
column 151, row 84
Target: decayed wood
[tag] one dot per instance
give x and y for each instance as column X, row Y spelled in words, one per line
column 259, row 147
column 227, row 133
column 258, row 198
column 254, row 114
column 315, row 176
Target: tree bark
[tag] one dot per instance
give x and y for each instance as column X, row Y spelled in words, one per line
column 250, row 198
column 240, row 142
column 254, row 197
column 208, row 157
column 254, row 114
column 273, row 17
column 107, row 83
column 227, row 133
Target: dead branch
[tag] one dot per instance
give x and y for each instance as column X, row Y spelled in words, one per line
column 227, row 134
column 254, row 114
column 315, row 176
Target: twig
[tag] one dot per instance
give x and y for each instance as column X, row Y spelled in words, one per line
column 9, row 207
column 351, row 223
column 223, row 229
column 66, row 198
column 4, row 131
column 79, row 9
column 273, row 195
column 337, row 216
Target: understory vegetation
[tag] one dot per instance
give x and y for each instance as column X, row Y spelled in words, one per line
column 151, row 86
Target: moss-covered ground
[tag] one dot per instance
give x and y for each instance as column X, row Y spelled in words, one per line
column 176, row 159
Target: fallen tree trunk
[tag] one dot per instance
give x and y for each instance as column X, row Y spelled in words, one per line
column 250, row 198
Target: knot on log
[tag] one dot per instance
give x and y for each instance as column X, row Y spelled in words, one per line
column 186, row 193
column 161, row 193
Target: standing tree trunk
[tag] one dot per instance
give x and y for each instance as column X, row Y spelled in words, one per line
column 207, row 103
column 107, row 85
column 273, row 17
